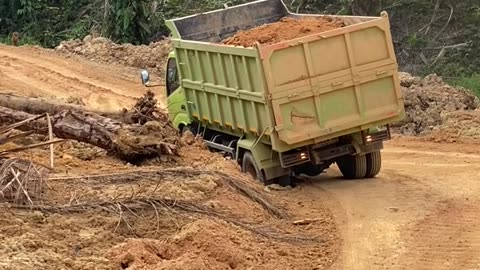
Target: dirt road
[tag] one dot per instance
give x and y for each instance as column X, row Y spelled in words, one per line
column 422, row 212
column 34, row 72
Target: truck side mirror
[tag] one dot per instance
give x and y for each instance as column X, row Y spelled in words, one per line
column 145, row 77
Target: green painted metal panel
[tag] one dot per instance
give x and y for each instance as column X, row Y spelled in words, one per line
column 223, row 88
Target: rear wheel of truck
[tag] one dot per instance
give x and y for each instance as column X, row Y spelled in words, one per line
column 374, row 164
column 353, row 167
column 249, row 166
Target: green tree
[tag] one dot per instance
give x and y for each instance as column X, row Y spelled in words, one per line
column 127, row 20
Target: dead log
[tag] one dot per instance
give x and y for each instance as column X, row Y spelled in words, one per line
column 143, row 111
column 132, row 143
column 39, row 106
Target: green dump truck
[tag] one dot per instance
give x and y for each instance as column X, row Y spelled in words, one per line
column 294, row 107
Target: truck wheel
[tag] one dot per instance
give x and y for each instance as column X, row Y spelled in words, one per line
column 353, row 167
column 374, row 164
column 249, row 166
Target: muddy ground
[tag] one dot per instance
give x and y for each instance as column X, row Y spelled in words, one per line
column 97, row 212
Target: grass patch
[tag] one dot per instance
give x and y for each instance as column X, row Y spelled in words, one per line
column 24, row 40
column 471, row 82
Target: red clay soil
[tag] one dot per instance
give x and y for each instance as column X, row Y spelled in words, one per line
column 285, row 29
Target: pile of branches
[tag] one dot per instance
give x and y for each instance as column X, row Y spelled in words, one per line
column 21, row 181
column 146, row 110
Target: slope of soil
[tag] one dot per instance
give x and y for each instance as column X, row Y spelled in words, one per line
column 285, row 29
column 101, row 50
column 36, row 72
column 217, row 227
column 436, row 108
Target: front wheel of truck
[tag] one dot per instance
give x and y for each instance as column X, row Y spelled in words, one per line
column 353, row 167
column 249, row 166
column 374, row 164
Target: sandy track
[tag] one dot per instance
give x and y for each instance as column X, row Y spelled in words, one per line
column 422, row 212
column 36, row 72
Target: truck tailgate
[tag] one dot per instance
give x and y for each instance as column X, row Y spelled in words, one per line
column 326, row 85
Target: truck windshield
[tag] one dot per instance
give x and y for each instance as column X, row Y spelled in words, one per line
column 172, row 76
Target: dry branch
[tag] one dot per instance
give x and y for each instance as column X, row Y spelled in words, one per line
column 21, row 180
column 232, row 182
column 122, row 206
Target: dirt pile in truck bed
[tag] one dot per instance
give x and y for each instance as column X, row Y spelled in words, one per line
column 153, row 56
column 285, row 29
column 434, row 107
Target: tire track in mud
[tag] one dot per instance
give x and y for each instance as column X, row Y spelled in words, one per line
column 37, row 72
column 421, row 212
column 446, row 238
column 49, row 82
column 372, row 212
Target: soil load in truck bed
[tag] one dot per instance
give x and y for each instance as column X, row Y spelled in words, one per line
column 285, row 29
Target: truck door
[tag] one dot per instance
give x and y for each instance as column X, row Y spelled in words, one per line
column 175, row 97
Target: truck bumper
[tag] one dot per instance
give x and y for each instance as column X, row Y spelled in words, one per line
column 370, row 142
column 321, row 155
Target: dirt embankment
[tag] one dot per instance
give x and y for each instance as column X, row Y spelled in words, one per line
column 152, row 57
column 182, row 215
column 438, row 110
column 285, row 29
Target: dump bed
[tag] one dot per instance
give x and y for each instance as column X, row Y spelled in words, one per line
column 296, row 92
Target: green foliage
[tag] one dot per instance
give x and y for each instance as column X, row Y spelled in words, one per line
column 127, row 21
column 469, row 82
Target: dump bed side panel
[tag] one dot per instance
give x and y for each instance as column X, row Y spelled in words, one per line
column 224, row 86
column 339, row 80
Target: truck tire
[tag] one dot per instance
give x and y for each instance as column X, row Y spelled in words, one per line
column 249, row 166
column 353, row 167
column 374, row 164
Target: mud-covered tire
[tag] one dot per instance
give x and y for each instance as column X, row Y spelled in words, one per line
column 353, row 167
column 249, row 166
column 374, row 164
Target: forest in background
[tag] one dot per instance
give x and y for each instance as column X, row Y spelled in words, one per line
column 430, row 36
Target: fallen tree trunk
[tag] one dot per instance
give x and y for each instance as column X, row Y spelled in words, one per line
column 38, row 106
column 133, row 143
column 142, row 112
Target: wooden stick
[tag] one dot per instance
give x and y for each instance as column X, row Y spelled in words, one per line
column 19, row 149
column 50, row 137
column 306, row 221
column 14, row 137
column 21, row 123
column 16, row 175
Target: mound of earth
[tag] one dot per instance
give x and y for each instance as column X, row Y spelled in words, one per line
column 285, row 29
column 103, row 50
column 432, row 105
column 211, row 244
column 191, row 214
